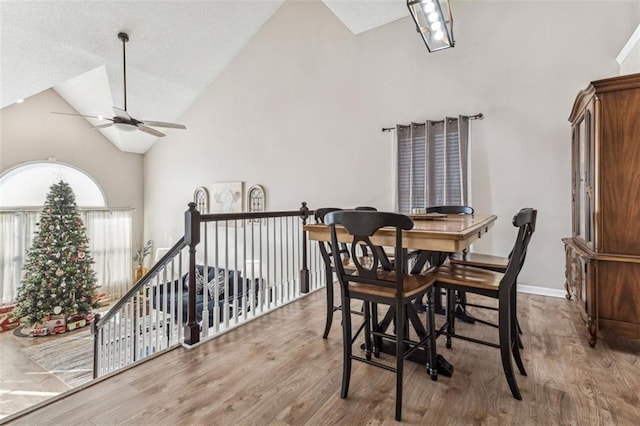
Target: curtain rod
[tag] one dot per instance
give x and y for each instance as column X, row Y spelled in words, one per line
column 478, row 116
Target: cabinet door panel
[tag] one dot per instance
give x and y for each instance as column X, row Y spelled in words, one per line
column 619, row 186
column 619, row 291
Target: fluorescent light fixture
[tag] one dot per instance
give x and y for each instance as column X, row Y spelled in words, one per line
column 434, row 22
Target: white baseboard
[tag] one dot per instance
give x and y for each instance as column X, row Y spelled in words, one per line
column 541, row 291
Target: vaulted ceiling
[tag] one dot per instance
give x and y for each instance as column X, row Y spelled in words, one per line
column 176, row 50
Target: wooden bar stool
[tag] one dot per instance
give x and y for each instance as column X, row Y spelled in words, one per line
column 374, row 284
column 496, row 285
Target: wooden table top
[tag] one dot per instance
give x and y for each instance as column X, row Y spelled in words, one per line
column 454, row 234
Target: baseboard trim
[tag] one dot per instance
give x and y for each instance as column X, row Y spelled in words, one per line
column 541, row 291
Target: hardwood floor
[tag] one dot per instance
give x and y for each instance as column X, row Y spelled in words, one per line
column 23, row 382
column 279, row 370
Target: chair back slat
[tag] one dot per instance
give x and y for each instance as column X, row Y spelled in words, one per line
column 361, row 225
column 325, row 248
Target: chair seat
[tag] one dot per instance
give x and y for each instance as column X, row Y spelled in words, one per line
column 481, row 260
column 414, row 284
column 468, row 276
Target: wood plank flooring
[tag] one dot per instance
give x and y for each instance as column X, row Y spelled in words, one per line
column 279, row 370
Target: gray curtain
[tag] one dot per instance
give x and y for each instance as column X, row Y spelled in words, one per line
column 432, row 161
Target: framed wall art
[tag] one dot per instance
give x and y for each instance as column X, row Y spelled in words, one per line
column 256, row 200
column 227, row 197
column 201, row 198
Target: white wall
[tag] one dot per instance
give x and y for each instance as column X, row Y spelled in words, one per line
column 300, row 111
column 29, row 132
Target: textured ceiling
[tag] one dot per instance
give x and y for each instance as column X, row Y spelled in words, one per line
column 176, row 50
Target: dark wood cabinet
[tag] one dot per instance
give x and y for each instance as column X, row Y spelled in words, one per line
column 603, row 253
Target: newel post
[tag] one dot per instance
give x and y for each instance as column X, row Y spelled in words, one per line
column 304, row 272
column 192, row 239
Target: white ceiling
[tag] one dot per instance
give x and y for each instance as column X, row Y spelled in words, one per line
column 176, row 50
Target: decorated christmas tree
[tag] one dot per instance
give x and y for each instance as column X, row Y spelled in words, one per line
column 58, row 278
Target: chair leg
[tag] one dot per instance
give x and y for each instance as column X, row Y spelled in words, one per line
column 504, row 331
column 330, row 306
column 516, row 343
column 377, row 341
column 451, row 317
column 432, row 367
column 346, row 345
column 367, row 328
column 516, row 357
column 515, row 325
column 400, row 332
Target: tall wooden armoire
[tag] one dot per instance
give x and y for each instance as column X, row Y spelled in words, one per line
column 603, row 252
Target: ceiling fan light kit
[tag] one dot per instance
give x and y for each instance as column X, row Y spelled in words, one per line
column 122, row 120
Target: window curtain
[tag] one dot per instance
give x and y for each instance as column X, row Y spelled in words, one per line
column 110, row 245
column 110, row 242
column 432, row 161
column 17, row 229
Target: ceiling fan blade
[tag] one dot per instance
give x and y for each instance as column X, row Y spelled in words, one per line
column 163, row 124
column 80, row 115
column 121, row 113
column 102, row 126
column 150, row 131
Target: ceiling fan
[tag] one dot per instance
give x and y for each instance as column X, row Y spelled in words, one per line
column 122, row 119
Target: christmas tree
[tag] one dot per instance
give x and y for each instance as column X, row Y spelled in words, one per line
column 58, row 278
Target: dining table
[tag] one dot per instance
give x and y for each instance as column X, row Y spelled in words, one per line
column 442, row 233
column 432, row 239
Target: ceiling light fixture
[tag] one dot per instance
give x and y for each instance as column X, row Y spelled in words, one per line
column 434, row 22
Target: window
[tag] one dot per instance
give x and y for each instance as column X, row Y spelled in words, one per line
column 27, row 185
column 23, row 191
column 432, row 164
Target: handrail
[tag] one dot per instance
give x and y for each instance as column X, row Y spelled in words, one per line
column 253, row 215
column 156, row 313
column 100, row 320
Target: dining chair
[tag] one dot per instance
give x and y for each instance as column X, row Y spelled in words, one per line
column 327, row 256
column 496, row 285
column 492, row 263
column 374, row 284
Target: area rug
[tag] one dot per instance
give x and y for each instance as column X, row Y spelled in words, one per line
column 70, row 358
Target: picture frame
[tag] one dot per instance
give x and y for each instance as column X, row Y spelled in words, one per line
column 227, row 197
column 256, row 200
column 201, row 198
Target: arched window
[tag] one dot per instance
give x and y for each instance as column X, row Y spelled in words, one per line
column 27, row 185
column 23, row 192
